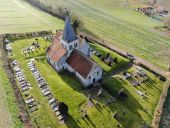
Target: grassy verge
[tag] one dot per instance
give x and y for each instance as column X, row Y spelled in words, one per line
column 10, row 99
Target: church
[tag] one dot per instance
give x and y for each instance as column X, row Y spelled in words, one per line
column 72, row 53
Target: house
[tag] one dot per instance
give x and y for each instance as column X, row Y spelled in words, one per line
column 72, row 53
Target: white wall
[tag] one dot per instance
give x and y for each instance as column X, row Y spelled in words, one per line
column 84, row 48
column 61, row 64
column 67, row 45
column 96, row 74
column 58, row 65
column 86, row 81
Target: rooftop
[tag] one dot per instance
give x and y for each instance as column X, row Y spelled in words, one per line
column 56, row 51
column 82, row 64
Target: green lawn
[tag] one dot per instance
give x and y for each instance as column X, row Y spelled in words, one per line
column 9, row 110
column 104, row 51
column 19, row 16
column 67, row 89
column 138, row 109
column 122, row 26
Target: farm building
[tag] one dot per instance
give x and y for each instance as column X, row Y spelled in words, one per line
column 72, row 53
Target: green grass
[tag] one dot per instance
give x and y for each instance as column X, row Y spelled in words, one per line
column 64, row 87
column 111, row 20
column 19, row 16
column 10, row 112
column 104, row 51
column 138, row 109
column 44, row 116
column 123, row 27
column 67, row 89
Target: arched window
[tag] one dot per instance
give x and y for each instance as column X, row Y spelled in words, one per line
column 70, row 47
column 75, row 45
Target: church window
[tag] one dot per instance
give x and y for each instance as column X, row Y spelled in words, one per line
column 75, row 45
column 70, row 47
column 89, row 77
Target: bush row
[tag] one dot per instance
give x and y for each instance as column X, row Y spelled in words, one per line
column 161, row 76
column 15, row 36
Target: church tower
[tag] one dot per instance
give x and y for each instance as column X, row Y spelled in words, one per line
column 69, row 39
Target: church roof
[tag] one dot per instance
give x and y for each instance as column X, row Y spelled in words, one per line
column 80, row 63
column 56, row 51
column 68, row 34
column 83, row 44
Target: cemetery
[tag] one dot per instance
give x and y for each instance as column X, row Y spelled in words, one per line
column 108, row 63
column 106, row 104
column 107, row 67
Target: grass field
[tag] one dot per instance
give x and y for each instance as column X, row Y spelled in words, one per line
column 8, row 107
column 66, row 88
column 138, row 109
column 6, row 120
column 118, row 23
column 114, row 21
column 18, row 16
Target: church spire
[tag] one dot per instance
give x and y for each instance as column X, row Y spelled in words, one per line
column 68, row 34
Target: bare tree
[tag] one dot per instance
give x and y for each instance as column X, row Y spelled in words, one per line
column 152, row 2
column 77, row 23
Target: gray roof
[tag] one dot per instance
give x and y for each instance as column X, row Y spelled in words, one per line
column 68, row 34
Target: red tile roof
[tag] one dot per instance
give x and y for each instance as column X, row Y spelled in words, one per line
column 56, row 51
column 80, row 63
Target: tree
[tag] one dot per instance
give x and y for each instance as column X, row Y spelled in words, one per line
column 108, row 54
column 63, row 108
column 115, row 60
column 77, row 23
column 169, row 68
column 152, row 2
